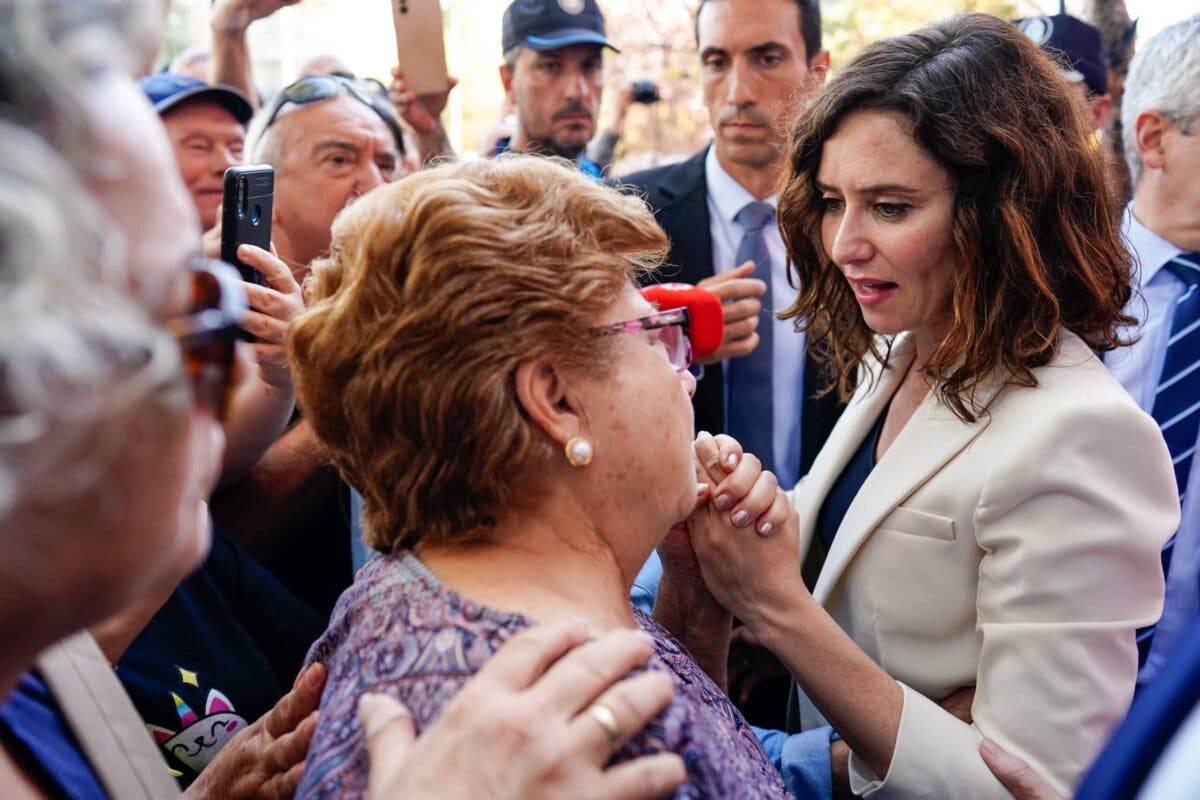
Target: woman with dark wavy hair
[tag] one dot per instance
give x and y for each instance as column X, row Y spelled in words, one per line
column 991, row 506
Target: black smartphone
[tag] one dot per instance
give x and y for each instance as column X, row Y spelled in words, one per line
column 246, row 215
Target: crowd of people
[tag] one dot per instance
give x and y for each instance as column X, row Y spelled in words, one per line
column 442, row 505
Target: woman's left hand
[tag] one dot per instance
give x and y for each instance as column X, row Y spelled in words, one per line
column 746, row 537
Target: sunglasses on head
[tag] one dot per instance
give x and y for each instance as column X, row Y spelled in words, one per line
column 208, row 331
column 312, row 88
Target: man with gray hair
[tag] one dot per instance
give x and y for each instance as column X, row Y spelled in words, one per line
column 1161, row 117
column 330, row 141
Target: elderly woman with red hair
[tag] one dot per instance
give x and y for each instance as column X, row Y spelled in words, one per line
column 477, row 362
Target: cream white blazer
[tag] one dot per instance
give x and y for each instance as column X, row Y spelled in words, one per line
column 1017, row 554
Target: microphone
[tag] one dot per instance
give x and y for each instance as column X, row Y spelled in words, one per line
column 705, row 313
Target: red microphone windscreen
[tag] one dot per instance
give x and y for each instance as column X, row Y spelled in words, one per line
column 704, row 311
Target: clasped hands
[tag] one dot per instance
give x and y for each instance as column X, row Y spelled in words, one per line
column 744, row 530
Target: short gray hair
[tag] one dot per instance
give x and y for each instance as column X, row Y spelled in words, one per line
column 267, row 143
column 79, row 354
column 1164, row 75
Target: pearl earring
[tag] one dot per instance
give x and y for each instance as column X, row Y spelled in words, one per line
column 579, row 451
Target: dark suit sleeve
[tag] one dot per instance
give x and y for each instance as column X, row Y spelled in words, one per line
column 678, row 196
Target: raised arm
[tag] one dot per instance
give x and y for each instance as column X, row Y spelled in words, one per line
column 231, row 63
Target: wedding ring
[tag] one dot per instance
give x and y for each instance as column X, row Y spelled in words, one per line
column 606, row 719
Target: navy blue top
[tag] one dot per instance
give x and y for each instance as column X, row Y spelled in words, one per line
column 848, row 484
column 218, row 655
column 36, row 735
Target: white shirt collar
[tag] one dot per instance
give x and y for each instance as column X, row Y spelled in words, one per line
column 1150, row 251
column 727, row 194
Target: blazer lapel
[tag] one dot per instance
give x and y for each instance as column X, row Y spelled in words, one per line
column 930, row 439
column 852, row 427
column 682, row 211
column 683, row 214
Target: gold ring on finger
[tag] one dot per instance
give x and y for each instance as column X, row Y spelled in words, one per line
column 607, row 720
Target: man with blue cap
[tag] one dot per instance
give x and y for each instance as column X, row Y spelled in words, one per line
column 1082, row 57
column 206, row 124
column 552, row 72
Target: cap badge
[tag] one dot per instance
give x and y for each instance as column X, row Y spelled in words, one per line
column 1038, row 29
column 571, row 6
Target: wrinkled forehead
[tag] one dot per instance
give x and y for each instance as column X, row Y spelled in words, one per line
column 343, row 115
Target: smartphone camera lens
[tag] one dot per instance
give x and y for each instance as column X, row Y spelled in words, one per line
column 255, row 214
column 241, row 198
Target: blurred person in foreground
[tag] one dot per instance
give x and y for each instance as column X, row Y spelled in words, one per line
column 469, row 360
column 109, row 443
column 992, row 501
column 107, row 454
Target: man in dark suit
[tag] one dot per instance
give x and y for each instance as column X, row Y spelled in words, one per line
column 756, row 55
column 717, row 207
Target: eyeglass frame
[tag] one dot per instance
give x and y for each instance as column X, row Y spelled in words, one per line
column 205, row 332
column 659, row 319
column 359, row 92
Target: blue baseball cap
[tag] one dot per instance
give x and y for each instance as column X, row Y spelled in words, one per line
column 1077, row 45
column 551, row 24
column 166, row 91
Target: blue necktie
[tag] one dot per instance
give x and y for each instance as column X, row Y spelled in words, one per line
column 749, row 412
column 1177, row 399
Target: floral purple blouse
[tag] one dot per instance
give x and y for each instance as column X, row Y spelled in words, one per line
column 399, row 630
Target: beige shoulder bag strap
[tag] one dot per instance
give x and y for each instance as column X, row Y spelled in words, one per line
column 103, row 719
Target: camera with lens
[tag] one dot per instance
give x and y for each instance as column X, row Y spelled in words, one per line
column 645, row 92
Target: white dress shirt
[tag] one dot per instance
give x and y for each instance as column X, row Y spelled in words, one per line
column 1176, row 774
column 726, row 197
column 1139, row 369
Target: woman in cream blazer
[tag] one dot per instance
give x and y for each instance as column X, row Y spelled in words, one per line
column 994, row 503
column 1017, row 554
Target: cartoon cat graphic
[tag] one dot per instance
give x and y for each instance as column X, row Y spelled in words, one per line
column 202, row 737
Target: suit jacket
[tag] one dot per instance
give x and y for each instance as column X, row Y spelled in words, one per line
column 1017, row 554
column 678, row 195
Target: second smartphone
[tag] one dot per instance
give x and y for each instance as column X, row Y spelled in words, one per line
column 246, row 215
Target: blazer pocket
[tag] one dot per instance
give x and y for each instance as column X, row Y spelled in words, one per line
column 911, row 522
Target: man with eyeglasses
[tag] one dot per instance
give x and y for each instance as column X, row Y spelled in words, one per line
column 552, row 73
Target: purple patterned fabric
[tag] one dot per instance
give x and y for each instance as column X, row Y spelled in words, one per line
column 399, row 630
